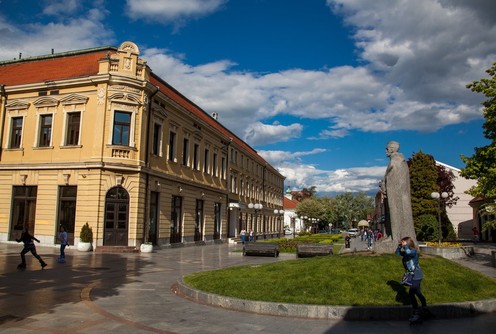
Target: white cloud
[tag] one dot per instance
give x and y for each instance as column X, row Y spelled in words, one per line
column 60, row 7
column 73, row 33
column 263, row 134
column 280, row 157
column 171, row 11
column 330, row 182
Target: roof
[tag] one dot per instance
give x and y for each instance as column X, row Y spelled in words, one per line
column 55, row 67
column 290, row 204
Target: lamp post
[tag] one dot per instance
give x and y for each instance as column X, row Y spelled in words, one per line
column 439, row 197
column 257, row 207
column 281, row 221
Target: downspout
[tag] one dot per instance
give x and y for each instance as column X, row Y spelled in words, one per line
column 147, row 162
column 2, row 117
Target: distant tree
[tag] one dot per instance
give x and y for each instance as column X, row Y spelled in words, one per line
column 349, row 208
column 482, row 165
column 425, row 178
column 311, row 207
column 423, row 181
column 304, row 193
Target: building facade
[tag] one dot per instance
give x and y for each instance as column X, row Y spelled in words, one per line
column 95, row 136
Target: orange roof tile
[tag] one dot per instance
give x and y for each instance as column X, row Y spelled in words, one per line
column 55, row 67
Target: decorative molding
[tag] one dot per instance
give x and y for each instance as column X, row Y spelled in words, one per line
column 17, row 105
column 74, row 99
column 129, row 47
column 45, row 101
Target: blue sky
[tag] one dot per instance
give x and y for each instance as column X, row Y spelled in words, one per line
column 317, row 87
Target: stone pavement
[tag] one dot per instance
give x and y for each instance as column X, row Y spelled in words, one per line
column 133, row 293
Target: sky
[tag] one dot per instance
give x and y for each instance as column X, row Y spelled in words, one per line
column 316, row 87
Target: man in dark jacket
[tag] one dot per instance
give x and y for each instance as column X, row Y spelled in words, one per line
column 29, row 246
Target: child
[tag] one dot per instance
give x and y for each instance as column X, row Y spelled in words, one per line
column 63, row 243
column 29, row 246
column 410, row 259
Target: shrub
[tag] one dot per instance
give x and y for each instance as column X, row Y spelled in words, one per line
column 427, row 228
column 86, row 234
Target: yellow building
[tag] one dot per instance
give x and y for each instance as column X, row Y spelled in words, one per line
column 95, row 136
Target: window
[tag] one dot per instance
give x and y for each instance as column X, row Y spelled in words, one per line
column 223, row 168
column 214, row 165
column 172, row 146
column 73, row 125
column 206, row 161
column 157, row 139
column 196, row 160
column 16, row 134
column 186, row 152
column 122, row 126
column 45, row 131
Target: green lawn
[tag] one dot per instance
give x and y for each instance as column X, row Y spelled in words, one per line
column 345, row 280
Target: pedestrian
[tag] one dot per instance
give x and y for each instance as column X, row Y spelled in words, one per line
column 370, row 237
column 243, row 236
column 251, row 235
column 29, row 246
column 63, row 243
column 410, row 259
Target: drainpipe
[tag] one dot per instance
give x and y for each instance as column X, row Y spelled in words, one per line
column 147, row 162
column 2, row 116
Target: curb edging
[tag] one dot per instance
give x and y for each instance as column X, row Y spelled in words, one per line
column 331, row 312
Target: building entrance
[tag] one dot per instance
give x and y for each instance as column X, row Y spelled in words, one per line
column 116, row 217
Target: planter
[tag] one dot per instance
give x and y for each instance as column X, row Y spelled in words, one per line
column 146, row 248
column 84, row 246
column 449, row 253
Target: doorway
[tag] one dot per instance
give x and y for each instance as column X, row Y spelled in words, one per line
column 116, row 217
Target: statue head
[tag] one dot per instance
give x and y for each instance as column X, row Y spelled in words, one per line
column 392, row 147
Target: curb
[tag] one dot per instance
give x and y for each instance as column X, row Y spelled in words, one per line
column 329, row 312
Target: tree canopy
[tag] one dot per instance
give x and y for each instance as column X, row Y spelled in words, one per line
column 482, row 165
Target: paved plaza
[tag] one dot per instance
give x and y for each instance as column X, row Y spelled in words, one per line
column 133, row 293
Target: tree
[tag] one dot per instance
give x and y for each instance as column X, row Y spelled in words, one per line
column 423, row 181
column 349, row 208
column 425, row 178
column 310, row 207
column 482, row 165
column 304, row 193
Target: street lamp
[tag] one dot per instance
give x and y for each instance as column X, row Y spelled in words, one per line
column 257, row 207
column 439, row 197
column 280, row 213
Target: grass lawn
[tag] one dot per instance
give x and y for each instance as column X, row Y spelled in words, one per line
column 360, row 279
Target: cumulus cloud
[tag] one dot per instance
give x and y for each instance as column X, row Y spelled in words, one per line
column 171, row 11
column 60, row 7
column 331, row 182
column 73, row 33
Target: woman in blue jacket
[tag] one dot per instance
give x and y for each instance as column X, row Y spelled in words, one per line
column 410, row 259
